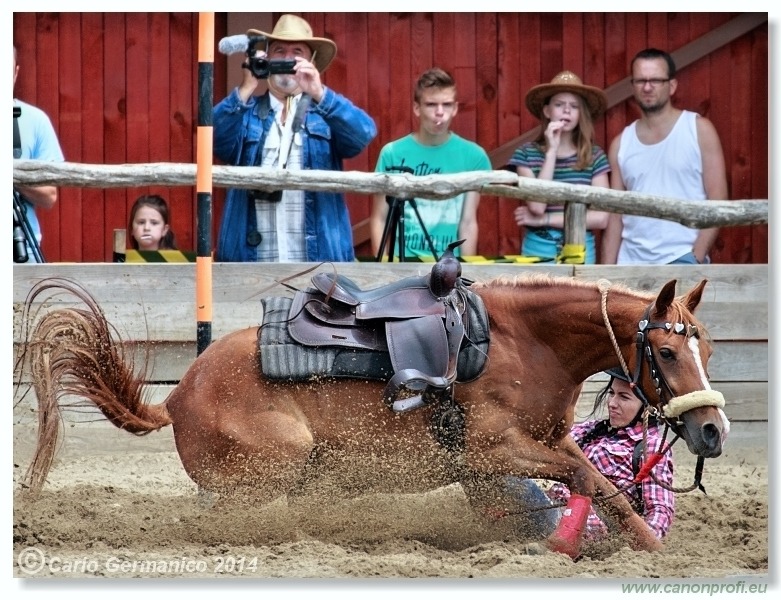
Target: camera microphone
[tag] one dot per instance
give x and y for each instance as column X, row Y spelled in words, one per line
column 233, row 44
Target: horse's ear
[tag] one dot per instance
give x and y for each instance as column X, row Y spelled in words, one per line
column 665, row 298
column 692, row 299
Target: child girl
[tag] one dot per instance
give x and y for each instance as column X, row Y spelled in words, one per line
column 149, row 225
column 564, row 152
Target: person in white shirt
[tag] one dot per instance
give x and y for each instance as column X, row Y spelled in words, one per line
column 668, row 152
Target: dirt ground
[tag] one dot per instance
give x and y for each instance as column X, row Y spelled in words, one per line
column 116, row 506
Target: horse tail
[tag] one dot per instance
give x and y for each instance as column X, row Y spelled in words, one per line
column 77, row 352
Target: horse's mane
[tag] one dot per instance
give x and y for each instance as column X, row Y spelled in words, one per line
column 540, row 280
column 680, row 313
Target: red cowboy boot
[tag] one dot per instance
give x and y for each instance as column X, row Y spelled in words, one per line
column 569, row 532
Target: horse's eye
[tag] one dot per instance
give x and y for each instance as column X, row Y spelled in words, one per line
column 666, row 353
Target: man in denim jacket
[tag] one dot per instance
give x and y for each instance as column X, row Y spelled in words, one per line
column 298, row 124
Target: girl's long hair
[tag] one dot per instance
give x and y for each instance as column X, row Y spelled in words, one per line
column 582, row 136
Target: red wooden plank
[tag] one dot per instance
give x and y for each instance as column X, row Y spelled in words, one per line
column 530, row 65
column 528, row 48
column 378, row 83
column 509, row 101
column 577, row 31
column 25, row 43
column 159, row 110
column 137, row 98
column 620, row 30
column 759, row 160
column 593, row 70
column 657, row 32
column 719, row 110
column 422, row 57
column 463, row 53
column 158, row 101
column 94, row 246
column 47, row 99
column 69, row 132
column 551, row 44
column 737, row 240
column 114, row 119
column 183, row 120
column 399, row 111
column 444, row 36
column 486, row 71
column 679, row 35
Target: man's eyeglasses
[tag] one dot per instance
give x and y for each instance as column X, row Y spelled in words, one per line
column 642, row 82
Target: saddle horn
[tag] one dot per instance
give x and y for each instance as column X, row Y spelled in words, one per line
column 446, row 272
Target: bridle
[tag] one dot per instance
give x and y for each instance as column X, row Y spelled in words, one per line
column 644, row 351
column 670, row 406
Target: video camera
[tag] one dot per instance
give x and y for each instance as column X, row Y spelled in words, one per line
column 261, row 68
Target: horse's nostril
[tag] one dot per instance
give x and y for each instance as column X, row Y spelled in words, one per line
column 711, row 435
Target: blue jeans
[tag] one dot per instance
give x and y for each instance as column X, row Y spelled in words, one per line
column 686, row 259
column 689, row 259
column 527, row 495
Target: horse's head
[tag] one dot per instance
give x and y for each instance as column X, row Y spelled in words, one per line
column 675, row 350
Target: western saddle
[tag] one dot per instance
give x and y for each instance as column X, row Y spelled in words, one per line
column 419, row 321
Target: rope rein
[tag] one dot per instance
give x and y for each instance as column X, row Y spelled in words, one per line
column 604, row 288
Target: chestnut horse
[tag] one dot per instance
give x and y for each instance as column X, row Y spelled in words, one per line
column 239, row 432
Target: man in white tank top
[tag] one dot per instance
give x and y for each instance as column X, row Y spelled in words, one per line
column 667, row 152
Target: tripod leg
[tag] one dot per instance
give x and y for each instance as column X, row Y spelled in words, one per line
column 388, row 231
column 402, row 240
column 32, row 242
column 425, row 231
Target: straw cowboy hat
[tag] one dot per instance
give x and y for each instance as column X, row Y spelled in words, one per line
column 290, row 28
column 566, row 81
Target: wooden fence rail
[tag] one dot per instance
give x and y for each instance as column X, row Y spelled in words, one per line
column 701, row 215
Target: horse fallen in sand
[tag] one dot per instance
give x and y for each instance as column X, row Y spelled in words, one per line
column 501, row 404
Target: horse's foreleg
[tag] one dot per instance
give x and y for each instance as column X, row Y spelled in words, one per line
column 642, row 538
column 525, row 457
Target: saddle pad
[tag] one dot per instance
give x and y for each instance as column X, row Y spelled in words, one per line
column 281, row 357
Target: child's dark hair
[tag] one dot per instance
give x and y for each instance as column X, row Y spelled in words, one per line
column 167, row 242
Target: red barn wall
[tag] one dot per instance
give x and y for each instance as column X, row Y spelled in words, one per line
column 122, row 88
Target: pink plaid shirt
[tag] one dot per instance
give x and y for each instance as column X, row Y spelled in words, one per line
column 612, row 456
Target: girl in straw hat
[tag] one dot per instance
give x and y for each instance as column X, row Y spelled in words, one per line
column 564, row 151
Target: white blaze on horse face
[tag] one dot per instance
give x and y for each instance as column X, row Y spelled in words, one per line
column 694, row 346
column 725, row 427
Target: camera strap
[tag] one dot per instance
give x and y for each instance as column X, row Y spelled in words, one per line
column 291, row 127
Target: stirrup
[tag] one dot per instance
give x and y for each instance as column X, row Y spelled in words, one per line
column 411, row 380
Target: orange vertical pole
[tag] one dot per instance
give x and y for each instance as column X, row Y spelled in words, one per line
column 204, row 148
